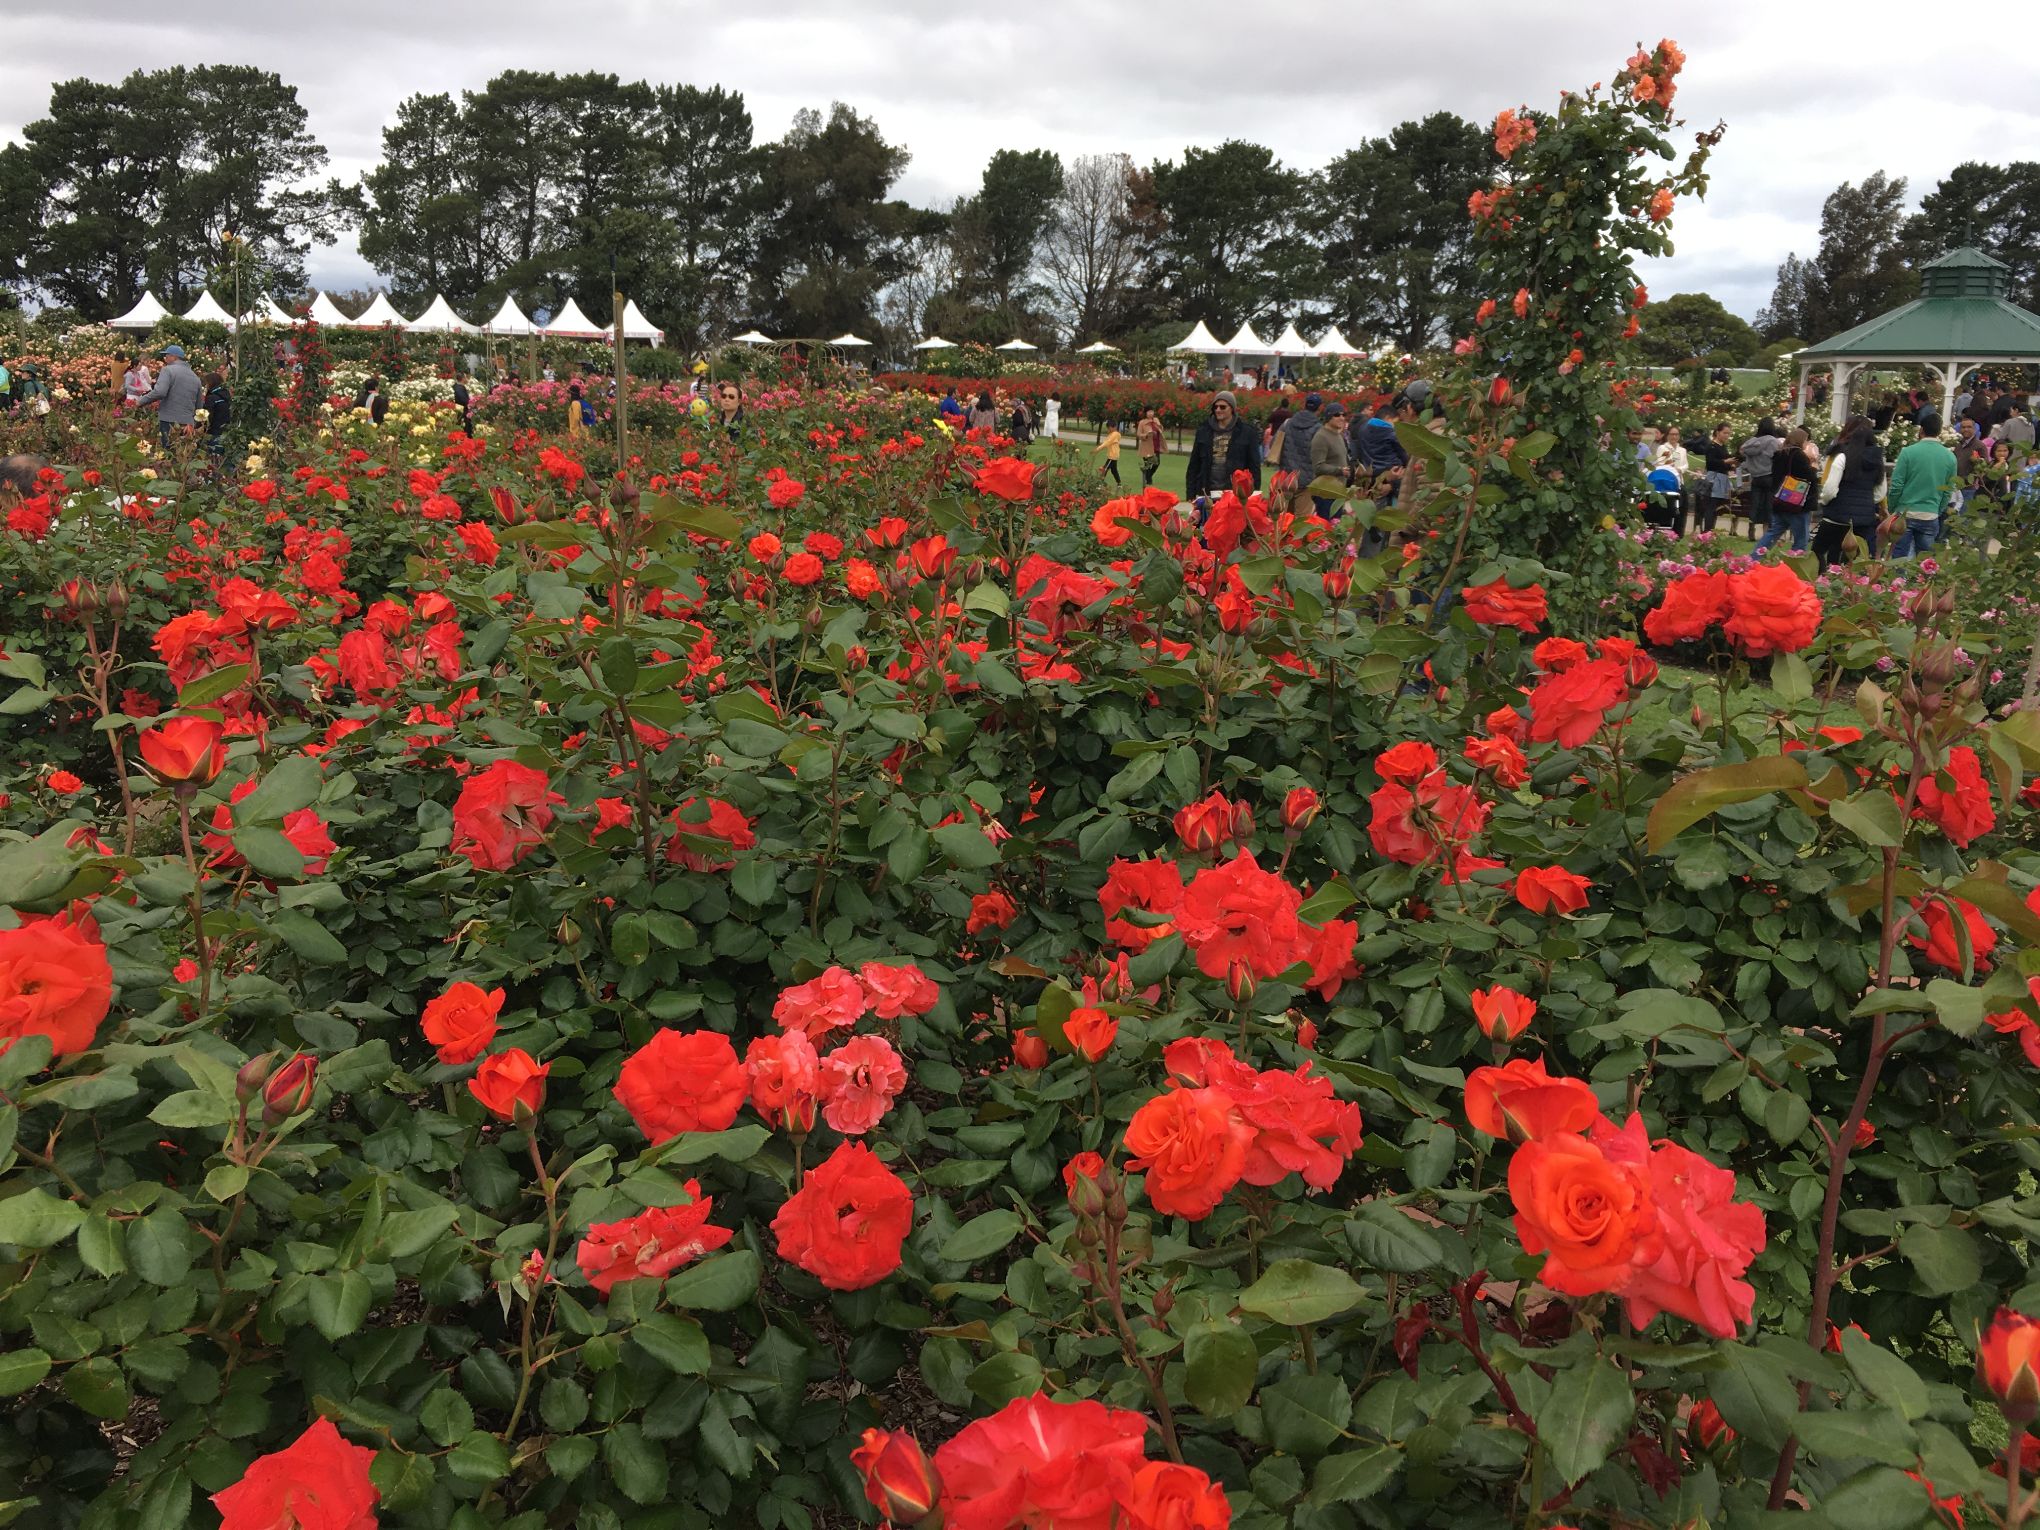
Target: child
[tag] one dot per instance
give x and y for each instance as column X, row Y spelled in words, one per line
column 1110, row 447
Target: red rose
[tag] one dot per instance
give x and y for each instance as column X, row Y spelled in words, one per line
column 1938, row 942
column 1771, row 610
column 1495, row 604
column 1502, row 1013
column 1165, row 1496
column 1500, row 758
column 1193, row 1145
column 1691, row 606
column 803, row 568
column 501, row 813
column 63, row 783
column 1962, row 811
column 785, row 493
column 784, row 1079
column 1090, row 1032
column 1204, row 827
column 1041, row 1462
column 859, row 1081
column 764, row 546
column 320, row 1482
column 1029, row 1050
column 1541, row 889
column 846, row 1223
column 1148, row 887
column 509, row 1083
column 1521, row 1101
column 990, row 911
column 652, row 1244
column 899, row 1479
column 1236, row 911
column 682, row 1081
column 1085, row 1166
column 834, row 1000
column 715, row 821
column 1709, row 1239
column 1299, row 808
column 2007, row 1363
column 1586, row 1206
column 1570, row 707
column 184, row 749
column 1407, row 763
column 893, row 989
column 55, row 981
column 462, row 1021
column 1006, row 478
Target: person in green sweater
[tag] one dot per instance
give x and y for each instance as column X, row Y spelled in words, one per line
column 1922, row 484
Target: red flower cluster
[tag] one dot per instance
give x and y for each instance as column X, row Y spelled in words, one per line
column 502, row 813
column 1762, row 611
column 1419, row 817
column 1962, row 810
column 652, row 1244
column 1496, row 603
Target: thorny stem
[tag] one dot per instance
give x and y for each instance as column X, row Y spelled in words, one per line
column 197, row 903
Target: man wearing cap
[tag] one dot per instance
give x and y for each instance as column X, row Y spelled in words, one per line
column 1226, row 444
column 176, row 394
column 1328, row 453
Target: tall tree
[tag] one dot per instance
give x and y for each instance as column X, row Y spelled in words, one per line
column 998, row 231
column 1091, row 246
column 424, row 223
column 832, row 239
column 1792, row 305
column 1223, row 209
column 1693, row 325
column 1391, row 218
column 519, row 125
column 609, row 216
column 1860, row 269
column 707, row 170
column 130, row 185
column 1994, row 207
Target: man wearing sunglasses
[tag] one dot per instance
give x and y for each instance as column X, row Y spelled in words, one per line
column 1225, row 445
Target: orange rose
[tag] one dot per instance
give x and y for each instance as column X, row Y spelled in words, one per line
column 55, row 981
column 1193, row 1144
column 1541, row 889
column 1771, row 610
column 184, row 749
column 1495, row 604
column 1521, row 1101
column 1091, row 1032
column 682, row 1082
column 2008, row 1362
column 1502, row 1013
column 462, row 1022
column 509, row 1081
column 1586, row 1207
column 1165, row 1496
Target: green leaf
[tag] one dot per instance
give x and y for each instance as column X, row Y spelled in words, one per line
column 1879, row 1498
column 1143, row 769
column 966, row 846
column 307, row 937
column 1219, row 1367
column 221, row 682
column 677, row 1343
column 1305, row 1414
column 21, row 1369
column 1944, row 1259
column 1873, row 1435
column 1296, row 1292
column 1790, row 677
column 269, row 853
column 691, row 515
column 1355, row 1475
column 37, row 1219
column 1755, row 1394
column 754, row 879
column 1883, row 1375
column 719, row 1284
column 737, row 1144
column 406, row 1234
column 481, row 1458
column 1695, row 796
column 1873, row 816
column 1328, row 902
column 1387, row 1238
column 445, row 1415
column 637, row 1466
column 1786, row 1116
column 97, row 1386
column 1005, row 1376
column 291, row 784
column 1583, row 1417
column 192, row 1107
column 981, row 1237
column 339, row 1302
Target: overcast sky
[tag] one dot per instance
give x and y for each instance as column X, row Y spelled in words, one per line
column 1810, row 99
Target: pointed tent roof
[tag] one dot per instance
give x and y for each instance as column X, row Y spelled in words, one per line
column 379, row 313
column 846, row 338
column 1962, row 314
column 325, row 311
column 207, row 310
column 574, row 324
column 509, row 320
column 751, row 337
column 146, row 314
column 636, row 326
column 1200, row 340
column 440, row 318
column 1096, row 347
column 271, row 312
column 1017, row 344
column 1290, row 343
column 1332, row 343
column 935, row 343
column 1247, row 343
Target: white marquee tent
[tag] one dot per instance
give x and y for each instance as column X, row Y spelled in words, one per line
column 208, row 311
column 935, row 343
column 509, row 320
column 752, row 337
column 146, row 314
column 1017, row 344
column 1290, row 343
column 439, row 318
column 1097, row 348
column 1335, row 344
column 271, row 313
column 1201, row 340
column 325, row 311
column 572, row 324
column 848, row 339
column 378, row 314
column 636, row 326
column 1247, row 343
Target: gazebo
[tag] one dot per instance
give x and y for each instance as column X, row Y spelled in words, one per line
column 1961, row 320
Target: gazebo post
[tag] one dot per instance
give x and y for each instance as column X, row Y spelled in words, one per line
column 1799, row 403
column 1948, row 393
column 1845, row 374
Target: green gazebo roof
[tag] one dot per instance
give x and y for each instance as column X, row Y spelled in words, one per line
column 1961, row 315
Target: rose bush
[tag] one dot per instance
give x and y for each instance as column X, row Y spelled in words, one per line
column 581, row 1026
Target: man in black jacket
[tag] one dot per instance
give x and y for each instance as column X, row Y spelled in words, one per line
column 1225, row 445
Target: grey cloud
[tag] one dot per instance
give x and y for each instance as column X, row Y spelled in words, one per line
column 1806, row 106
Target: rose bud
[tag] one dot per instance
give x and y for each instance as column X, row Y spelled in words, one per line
column 1498, row 392
column 1081, row 1176
column 510, row 1085
column 289, row 1089
column 1242, row 822
column 1029, row 1050
column 2006, row 1361
column 1501, row 1013
column 253, row 1074
column 1239, row 980
column 1299, row 808
column 1091, row 1031
column 184, row 749
column 1338, row 584
column 899, row 1479
column 1706, row 1430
